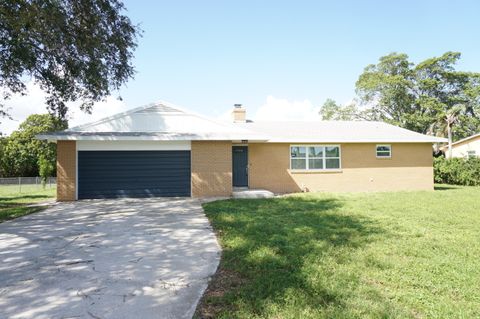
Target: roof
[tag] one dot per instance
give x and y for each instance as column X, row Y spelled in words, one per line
column 156, row 121
column 163, row 121
column 338, row 132
column 466, row 139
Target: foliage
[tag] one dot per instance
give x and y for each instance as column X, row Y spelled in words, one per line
column 74, row 49
column 22, row 150
column 457, row 171
column 3, row 142
column 46, row 168
column 370, row 255
column 331, row 111
column 421, row 97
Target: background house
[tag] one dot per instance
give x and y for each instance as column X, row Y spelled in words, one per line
column 467, row 147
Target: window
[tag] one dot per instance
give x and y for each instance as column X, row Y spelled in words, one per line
column 471, row 154
column 314, row 157
column 384, row 151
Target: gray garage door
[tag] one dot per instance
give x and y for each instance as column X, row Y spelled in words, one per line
column 111, row 174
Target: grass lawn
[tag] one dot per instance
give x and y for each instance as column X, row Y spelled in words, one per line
column 14, row 203
column 375, row 255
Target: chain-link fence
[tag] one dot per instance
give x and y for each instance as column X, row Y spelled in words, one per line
column 25, row 184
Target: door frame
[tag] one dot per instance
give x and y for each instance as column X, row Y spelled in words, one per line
column 248, row 169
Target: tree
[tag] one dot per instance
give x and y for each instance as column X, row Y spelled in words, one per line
column 418, row 97
column 22, row 151
column 445, row 122
column 76, row 50
column 46, row 169
column 3, row 142
column 331, row 111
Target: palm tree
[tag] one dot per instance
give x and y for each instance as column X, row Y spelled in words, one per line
column 444, row 125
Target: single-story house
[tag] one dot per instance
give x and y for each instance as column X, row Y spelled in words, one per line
column 467, row 147
column 163, row 150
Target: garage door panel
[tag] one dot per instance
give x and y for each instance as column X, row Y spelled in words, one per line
column 110, row 174
column 105, row 186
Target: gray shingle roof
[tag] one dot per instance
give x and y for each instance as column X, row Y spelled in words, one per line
column 164, row 121
column 336, row 132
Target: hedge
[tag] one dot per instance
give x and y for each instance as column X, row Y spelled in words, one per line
column 457, row 171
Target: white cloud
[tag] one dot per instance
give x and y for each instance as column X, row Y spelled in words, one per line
column 276, row 109
column 20, row 107
column 100, row 110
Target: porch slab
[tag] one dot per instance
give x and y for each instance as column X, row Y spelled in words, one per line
column 251, row 193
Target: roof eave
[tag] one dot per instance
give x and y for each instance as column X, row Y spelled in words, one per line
column 72, row 137
column 217, row 137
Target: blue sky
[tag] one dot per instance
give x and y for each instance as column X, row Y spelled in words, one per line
column 208, row 55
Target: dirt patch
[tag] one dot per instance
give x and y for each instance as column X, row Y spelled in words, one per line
column 224, row 281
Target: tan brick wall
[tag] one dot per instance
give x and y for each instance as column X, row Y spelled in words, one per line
column 239, row 114
column 211, row 168
column 410, row 168
column 66, row 170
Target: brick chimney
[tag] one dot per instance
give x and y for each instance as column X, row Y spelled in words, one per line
column 239, row 114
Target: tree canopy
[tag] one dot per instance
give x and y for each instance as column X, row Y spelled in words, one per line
column 421, row 97
column 22, row 153
column 75, row 50
column 332, row 111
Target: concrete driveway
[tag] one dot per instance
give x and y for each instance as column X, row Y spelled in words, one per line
column 128, row 258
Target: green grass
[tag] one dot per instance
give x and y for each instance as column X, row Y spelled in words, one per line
column 376, row 255
column 14, row 203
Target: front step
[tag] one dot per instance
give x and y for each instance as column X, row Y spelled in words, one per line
column 251, row 193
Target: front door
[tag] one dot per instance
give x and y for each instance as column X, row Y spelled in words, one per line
column 240, row 166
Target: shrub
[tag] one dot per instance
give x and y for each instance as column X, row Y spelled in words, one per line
column 457, row 171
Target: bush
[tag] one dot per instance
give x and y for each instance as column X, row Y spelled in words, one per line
column 457, row 171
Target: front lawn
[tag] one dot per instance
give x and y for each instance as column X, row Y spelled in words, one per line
column 376, row 255
column 15, row 202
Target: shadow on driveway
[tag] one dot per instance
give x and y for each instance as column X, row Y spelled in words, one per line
column 128, row 258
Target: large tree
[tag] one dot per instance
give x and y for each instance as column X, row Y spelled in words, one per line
column 22, row 153
column 75, row 50
column 423, row 96
column 332, row 111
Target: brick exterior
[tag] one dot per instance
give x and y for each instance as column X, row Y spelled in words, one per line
column 66, row 170
column 410, row 168
column 211, row 168
column 239, row 115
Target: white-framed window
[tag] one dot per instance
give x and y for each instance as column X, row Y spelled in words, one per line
column 471, row 154
column 314, row 157
column 384, row 151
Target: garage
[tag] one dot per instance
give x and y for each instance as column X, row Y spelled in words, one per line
column 112, row 174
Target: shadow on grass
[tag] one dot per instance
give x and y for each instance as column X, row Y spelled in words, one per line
column 24, row 198
column 445, row 187
column 12, row 212
column 273, row 247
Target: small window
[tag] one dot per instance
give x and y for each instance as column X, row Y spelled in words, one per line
column 471, row 154
column 384, row 151
column 314, row 157
column 298, row 157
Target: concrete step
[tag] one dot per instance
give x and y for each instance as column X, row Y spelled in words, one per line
column 252, row 193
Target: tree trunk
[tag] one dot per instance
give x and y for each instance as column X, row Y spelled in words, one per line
column 449, row 132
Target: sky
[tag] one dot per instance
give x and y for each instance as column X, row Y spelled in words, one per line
column 274, row 57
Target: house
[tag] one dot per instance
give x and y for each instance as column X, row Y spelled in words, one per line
column 163, row 150
column 467, row 147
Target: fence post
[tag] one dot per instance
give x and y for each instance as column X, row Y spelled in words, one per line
column 20, row 184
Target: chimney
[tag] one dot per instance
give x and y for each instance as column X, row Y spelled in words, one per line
column 239, row 114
